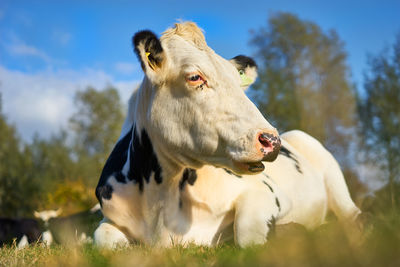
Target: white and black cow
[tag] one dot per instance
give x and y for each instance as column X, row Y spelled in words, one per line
column 71, row 229
column 187, row 167
column 23, row 230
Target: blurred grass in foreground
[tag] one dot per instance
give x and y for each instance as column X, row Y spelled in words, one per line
column 329, row 245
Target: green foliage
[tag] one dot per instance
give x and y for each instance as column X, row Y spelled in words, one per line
column 73, row 196
column 379, row 111
column 97, row 122
column 96, row 126
column 381, row 202
column 304, row 81
column 358, row 190
column 17, row 189
column 51, row 165
column 63, row 170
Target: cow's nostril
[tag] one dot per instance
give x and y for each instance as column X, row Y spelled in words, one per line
column 265, row 140
column 271, row 145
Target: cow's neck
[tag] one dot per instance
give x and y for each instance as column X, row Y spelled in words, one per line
column 144, row 164
column 142, row 160
column 133, row 159
column 138, row 110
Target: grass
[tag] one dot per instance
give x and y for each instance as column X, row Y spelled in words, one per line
column 329, row 245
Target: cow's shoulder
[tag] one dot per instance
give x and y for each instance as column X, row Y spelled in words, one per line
column 308, row 147
column 113, row 167
column 132, row 160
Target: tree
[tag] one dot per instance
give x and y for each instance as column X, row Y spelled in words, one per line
column 52, row 159
column 304, row 81
column 379, row 111
column 96, row 125
column 18, row 191
column 61, row 170
column 57, row 172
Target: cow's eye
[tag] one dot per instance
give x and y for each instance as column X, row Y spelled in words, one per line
column 194, row 78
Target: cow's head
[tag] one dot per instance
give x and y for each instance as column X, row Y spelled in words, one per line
column 193, row 106
column 46, row 215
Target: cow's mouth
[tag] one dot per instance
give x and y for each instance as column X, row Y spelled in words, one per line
column 252, row 167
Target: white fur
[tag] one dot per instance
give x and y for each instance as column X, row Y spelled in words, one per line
column 23, row 242
column 109, row 236
column 217, row 200
column 215, row 126
column 84, row 239
column 95, row 208
column 47, row 238
column 46, row 215
column 190, row 121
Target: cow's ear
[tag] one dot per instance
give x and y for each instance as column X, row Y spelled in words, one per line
column 58, row 212
column 150, row 53
column 247, row 69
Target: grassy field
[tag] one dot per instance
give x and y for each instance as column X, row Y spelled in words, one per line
column 329, row 245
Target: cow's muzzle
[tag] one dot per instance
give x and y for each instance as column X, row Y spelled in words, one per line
column 270, row 146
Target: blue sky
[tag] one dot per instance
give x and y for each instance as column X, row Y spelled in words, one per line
column 51, row 49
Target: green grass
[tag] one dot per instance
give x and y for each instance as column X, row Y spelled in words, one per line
column 329, row 245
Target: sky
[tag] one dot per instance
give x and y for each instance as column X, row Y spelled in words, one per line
column 51, row 49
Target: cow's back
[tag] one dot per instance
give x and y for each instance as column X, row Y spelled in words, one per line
column 16, row 228
column 302, row 183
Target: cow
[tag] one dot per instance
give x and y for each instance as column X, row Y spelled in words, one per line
column 75, row 228
column 71, row 229
column 46, row 215
column 22, row 230
column 188, row 166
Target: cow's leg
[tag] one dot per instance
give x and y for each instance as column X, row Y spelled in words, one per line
column 109, row 236
column 23, row 242
column 47, row 238
column 339, row 199
column 255, row 215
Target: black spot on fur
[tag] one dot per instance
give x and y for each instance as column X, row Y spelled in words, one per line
column 244, row 62
column 189, row 176
column 278, row 203
column 151, row 45
column 114, row 164
column 232, row 173
column 104, row 192
column 266, row 175
column 285, row 152
column 143, row 161
column 270, row 188
column 120, row 177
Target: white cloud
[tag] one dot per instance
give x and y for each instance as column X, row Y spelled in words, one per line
column 125, row 67
column 22, row 49
column 17, row 47
column 61, row 37
column 43, row 102
column 125, row 89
